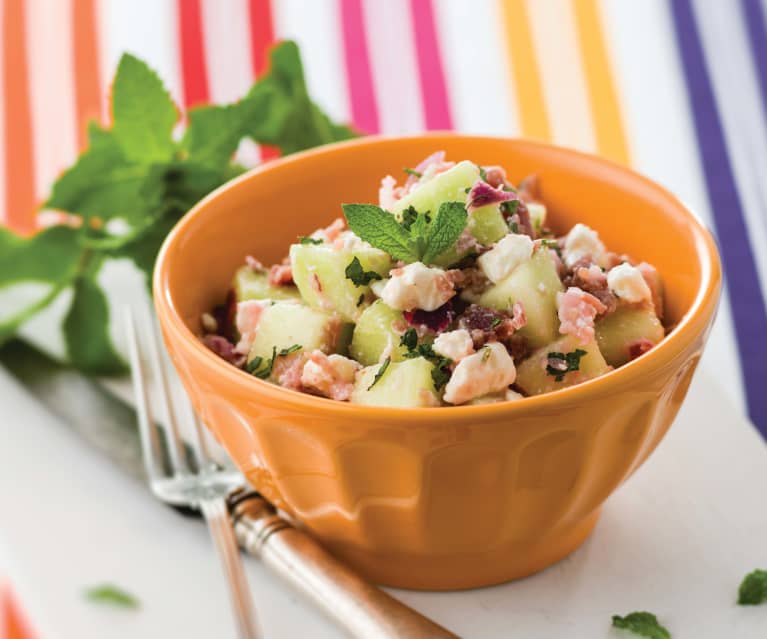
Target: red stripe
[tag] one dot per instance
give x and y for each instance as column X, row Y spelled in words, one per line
column 261, row 25
column 358, row 74
column 432, row 75
column 19, row 161
column 193, row 69
column 261, row 34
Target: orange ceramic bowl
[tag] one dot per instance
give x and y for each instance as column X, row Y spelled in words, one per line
column 438, row 498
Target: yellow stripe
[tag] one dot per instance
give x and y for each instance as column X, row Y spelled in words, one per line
column 526, row 75
column 605, row 110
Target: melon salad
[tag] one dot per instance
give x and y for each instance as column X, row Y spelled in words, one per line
column 450, row 291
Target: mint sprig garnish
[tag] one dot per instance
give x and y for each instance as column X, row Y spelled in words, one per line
column 753, row 589
column 420, row 237
column 138, row 173
column 644, row 624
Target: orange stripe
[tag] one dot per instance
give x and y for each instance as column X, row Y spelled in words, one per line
column 87, row 80
column 605, row 110
column 526, row 75
column 19, row 162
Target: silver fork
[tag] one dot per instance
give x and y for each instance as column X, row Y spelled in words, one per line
column 199, row 483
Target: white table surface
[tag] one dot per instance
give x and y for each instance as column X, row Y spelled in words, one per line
column 676, row 540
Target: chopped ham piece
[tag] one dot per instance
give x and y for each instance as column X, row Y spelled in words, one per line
column 640, row 347
column 589, row 277
column 577, row 310
column 247, row 319
column 254, row 264
column 288, row 370
column 331, row 376
column 281, row 275
column 495, row 176
column 330, row 233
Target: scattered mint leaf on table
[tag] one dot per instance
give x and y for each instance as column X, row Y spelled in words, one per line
column 644, row 624
column 753, row 589
column 112, row 595
column 138, row 173
column 358, row 275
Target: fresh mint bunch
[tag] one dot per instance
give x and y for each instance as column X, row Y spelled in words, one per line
column 418, row 238
column 135, row 181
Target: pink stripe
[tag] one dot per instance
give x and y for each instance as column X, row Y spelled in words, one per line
column 433, row 88
column 358, row 74
column 395, row 77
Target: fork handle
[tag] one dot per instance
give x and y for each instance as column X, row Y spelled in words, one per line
column 217, row 515
column 361, row 608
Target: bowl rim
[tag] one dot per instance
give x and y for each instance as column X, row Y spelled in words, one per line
column 690, row 325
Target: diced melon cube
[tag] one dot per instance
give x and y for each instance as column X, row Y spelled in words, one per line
column 450, row 186
column 533, row 378
column 374, row 334
column 287, row 323
column 537, row 212
column 487, row 224
column 626, row 326
column 254, row 285
column 535, row 285
column 405, row 384
column 319, row 271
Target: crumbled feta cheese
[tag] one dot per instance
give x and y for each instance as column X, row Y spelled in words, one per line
column 330, row 375
column 537, row 211
column 512, row 395
column 489, row 370
column 454, row 345
column 628, row 284
column 417, row 286
column 246, row 320
column 386, row 198
column 583, row 241
column 348, row 241
column 505, row 256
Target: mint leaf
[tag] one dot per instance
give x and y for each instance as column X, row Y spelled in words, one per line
column 102, row 183
column 86, row 330
column 143, row 113
column 444, row 229
column 381, row 230
column 559, row 364
column 358, row 275
column 644, row 624
column 51, row 257
column 111, row 595
column 753, row 589
column 215, row 132
column 380, row 372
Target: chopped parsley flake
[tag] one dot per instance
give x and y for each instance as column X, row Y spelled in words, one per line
column 380, row 372
column 309, row 240
column 497, row 321
column 413, row 172
column 289, row 350
column 560, row 364
column 409, row 339
column 440, row 374
column 358, row 275
column 510, row 207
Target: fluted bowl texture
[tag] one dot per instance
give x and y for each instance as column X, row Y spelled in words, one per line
column 439, row 498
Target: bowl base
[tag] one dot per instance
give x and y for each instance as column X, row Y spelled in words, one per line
column 469, row 570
